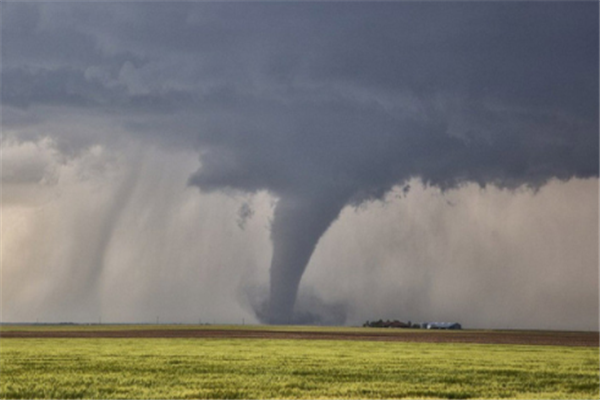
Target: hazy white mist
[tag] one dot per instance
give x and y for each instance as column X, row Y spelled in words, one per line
column 119, row 235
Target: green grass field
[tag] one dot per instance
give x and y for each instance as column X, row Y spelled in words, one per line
column 259, row 368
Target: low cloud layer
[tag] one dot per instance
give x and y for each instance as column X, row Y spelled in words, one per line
column 320, row 106
column 487, row 258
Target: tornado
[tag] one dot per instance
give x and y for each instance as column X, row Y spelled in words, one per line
column 298, row 224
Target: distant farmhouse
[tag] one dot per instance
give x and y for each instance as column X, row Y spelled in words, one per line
column 441, row 325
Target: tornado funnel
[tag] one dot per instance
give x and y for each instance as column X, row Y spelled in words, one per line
column 298, row 224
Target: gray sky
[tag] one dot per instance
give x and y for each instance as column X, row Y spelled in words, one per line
column 408, row 160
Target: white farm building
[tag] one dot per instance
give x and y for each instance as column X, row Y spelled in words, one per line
column 441, row 325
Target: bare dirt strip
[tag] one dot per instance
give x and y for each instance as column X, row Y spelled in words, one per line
column 483, row 337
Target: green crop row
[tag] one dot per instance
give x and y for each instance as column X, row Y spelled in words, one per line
column 245, row 368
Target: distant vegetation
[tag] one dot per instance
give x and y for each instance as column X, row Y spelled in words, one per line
column 390, row 324
column 261, row 368
column 399, row 324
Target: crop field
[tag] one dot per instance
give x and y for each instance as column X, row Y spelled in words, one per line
column 139, row 366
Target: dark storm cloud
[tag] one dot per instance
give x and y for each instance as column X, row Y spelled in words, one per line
column 519, row 52
column 326, row 104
